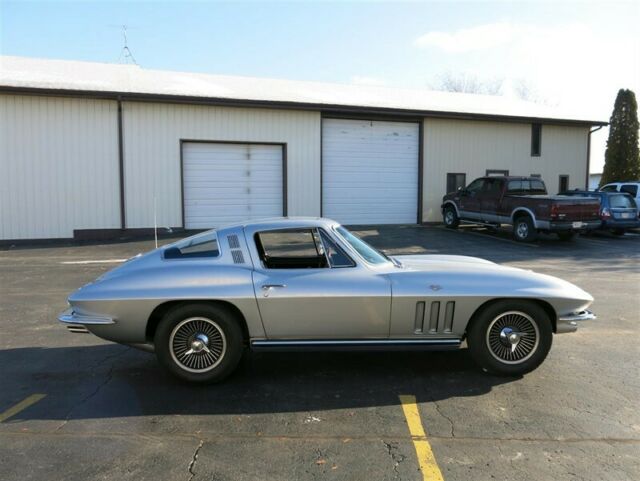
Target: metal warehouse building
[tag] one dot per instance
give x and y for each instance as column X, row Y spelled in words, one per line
column 90, row 148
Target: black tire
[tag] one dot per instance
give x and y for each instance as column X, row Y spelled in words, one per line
column 524, row 230
column 222, row 338
column 450, row 217
column 566, row 235
column 522, row 316
column 618, row 231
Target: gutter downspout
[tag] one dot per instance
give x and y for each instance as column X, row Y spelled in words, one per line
column 586, row 180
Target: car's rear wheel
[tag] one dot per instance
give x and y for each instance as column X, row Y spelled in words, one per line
column 199, row 342
column 510, row 337
column 524, row 230
column 450, row 217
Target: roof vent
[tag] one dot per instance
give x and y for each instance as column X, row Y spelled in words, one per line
column 238, row 258
column 234, row 243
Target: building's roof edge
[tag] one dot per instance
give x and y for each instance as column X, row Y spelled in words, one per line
column 329, row 109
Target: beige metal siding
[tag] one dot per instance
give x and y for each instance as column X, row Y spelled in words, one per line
column 472, row 147
column 152, row 134
column 58, row 166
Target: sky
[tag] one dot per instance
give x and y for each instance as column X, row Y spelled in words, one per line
column 574, row 55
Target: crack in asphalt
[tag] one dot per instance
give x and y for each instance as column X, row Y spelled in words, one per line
column 437, row 406
column 194, row 460
column 392, row 451
column 108, row 377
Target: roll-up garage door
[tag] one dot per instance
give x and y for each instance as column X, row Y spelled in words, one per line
column 226, row 183
column 370, row 171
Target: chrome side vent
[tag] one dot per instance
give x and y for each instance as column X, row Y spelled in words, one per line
column 448, row 316
column 234, row 242
column 419, row 321
column 433, row 317
column 238, row 258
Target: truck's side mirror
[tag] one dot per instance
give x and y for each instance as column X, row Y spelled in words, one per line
column 463, row 191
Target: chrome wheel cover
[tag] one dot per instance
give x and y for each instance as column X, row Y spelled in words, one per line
column 522, row 230
column 448, row 217
column 197, row 344
column 513, row 337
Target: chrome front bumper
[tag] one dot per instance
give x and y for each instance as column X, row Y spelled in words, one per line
column 76, row 322
column 569, row 323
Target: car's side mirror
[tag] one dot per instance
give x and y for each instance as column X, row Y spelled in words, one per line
column 463, row 192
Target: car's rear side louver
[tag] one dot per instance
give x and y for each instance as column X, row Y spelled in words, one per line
column 435, row 324
column 234, row 243
column 238, row 258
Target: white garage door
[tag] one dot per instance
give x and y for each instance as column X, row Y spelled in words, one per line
column 227, row 183
column 370, row 171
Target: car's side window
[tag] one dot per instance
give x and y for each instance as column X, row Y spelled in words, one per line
column 291, row 249
column 476, row 185
column 337, row 257
column 630, row 189
column 609, row 188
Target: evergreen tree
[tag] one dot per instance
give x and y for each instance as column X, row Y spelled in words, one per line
column 621, row 159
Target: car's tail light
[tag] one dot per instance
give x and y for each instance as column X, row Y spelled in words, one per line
column 554, row 211
column 605, row 213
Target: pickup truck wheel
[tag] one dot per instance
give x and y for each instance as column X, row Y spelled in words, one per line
column 199, row 342
column 524, row 230
column 566, row 236
column 510, row 337
column 450, row 217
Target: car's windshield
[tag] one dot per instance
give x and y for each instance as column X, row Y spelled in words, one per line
column 369, row 254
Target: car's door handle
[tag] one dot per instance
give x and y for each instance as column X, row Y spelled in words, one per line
column 266, row 288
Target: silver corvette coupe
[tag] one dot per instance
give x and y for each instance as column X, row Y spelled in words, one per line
column 309, row 283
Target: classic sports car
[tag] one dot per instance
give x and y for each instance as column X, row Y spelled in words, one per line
column 309, row 283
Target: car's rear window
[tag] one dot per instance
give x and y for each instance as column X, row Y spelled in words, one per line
column 526, row 186
column 201, row 245
column 621, row 202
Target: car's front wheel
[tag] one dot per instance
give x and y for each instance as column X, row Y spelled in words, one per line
column 199, row 342
column 450, row 217
column 510, row 337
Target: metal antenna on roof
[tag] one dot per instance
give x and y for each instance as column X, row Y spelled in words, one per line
column 125, row 53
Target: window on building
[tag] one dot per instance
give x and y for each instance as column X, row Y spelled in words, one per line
column 455, row 181
column 536, row 140
column 563, row 185
column 537, row 176
column 496, row 172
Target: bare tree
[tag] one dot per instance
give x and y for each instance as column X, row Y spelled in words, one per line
column 468, row 83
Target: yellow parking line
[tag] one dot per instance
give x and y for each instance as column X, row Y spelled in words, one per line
column 24, row 404
column 426, row 459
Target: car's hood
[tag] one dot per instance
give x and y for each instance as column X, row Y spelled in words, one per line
column 461, row 275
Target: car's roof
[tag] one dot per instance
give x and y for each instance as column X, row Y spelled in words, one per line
column 510, row 177
column 282, row 223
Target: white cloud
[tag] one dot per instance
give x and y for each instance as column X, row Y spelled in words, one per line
column 468, row 39
column 364, row 80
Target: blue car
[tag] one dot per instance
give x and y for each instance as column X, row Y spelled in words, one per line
column 618, row 210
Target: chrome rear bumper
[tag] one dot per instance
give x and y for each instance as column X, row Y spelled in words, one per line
column 76, row 322
column 569, row 323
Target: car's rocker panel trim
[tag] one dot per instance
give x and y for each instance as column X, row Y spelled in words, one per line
column 355, row 344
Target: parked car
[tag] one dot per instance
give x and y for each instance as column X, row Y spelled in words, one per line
column 522, row 202
column 631, row 188
column 311, row 284
column 618, row 211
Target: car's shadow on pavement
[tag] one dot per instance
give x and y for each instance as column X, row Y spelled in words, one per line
column 109, row 381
